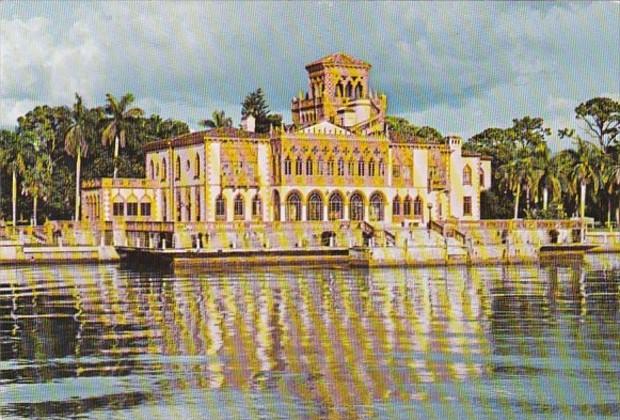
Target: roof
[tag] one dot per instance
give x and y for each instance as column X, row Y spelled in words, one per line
column 324, row 127
column 339, row 58
column 199, row 136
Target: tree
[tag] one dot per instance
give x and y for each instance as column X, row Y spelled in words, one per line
column 255, row 104
column 219, row 119
column 601, row 121
column 402, row 127
column 76, row 145
column 18, row 148
column 585, row 171
column 37, row 180
column 118, row 123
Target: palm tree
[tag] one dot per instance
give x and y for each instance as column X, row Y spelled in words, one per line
column 513, row 175
column 17, row 148
column 552, row 178
column 37, row 181
column 118, row 122
column 585, row 170
column 219, row 120
column 611, row 180
column 76, row 145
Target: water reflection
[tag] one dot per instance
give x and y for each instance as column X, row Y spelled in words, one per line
column 452, row 341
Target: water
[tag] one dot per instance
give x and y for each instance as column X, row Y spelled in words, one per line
column 457, row 342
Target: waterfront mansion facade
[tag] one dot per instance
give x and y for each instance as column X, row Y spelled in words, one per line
column 337, row 161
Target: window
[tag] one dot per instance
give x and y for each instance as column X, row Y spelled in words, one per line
column 396, row 206
column 238, row 207
column 152, row 168
column 298, row 166
column 198, row 212
column 118, row 209
column 335, row 207
column 407, row 206
column 467, row 175
column 351, row 171
column 315, row 207
column 164, row 170
column 320, row 166
column 197, row 163
column 356, row 207
column 417, row 207
column 188, row 205
column 340, row 167
column 381, row 168
column 466, row 206
column 178, row 173
column 179, row 206
column 293, row 207
column 276, row 206
column 376, row 207
column 481, row 178
column 360, row 167
column 287, row 166
column 220, row 208
column 309, row 166
column 396, row 171
column 371, row 168
column 256, row 206
column 145, row 209
column 330, row 167
column 132, row 209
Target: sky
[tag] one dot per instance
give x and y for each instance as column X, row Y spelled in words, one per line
column 460, row 67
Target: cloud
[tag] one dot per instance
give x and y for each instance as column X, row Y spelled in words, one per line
column 458, row 66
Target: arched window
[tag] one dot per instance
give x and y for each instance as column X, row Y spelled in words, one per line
column 164, row 208
column 356, row 207
column 371, row 167
column 188, row 205
column 198, row 209
column 197, row 163
column 309, row 166
column 339, row 90
column 157, row 170
column 257, row 206
column 335, row 210
column 239, row 208
column 287, row 166
column 164, row 170
column 320, row 166
column 466, row 175
column 358, row 90
column 298, row 166
column 376, row 207
column 152, row 168
column 360, row 167
column 417, row 207
column 220, row 208
column 381, row 168
column 179, row 206
column 178, row 169
column 349, row 90
column 276, row 206
column 407, row 206
column 330, row 167
column 315, row 207
column 481, row 178
column 340, row 167
column 396, row 206
column 293, row 207
column 351, row 171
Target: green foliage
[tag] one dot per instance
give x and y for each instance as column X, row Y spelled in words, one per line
column 402, row 128
column 255, row 104
column 219, row 120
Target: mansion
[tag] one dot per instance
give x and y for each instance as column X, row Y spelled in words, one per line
column 337, row 161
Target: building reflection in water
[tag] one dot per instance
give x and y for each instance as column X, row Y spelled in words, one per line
column 332, row 341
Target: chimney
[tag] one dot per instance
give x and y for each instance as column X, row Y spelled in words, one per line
column 249, row 123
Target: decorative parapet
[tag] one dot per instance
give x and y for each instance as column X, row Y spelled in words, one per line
column 91, row 184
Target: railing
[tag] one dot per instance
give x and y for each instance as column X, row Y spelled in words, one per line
column 367, row 228
column 437, row 227
column 390, row 238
